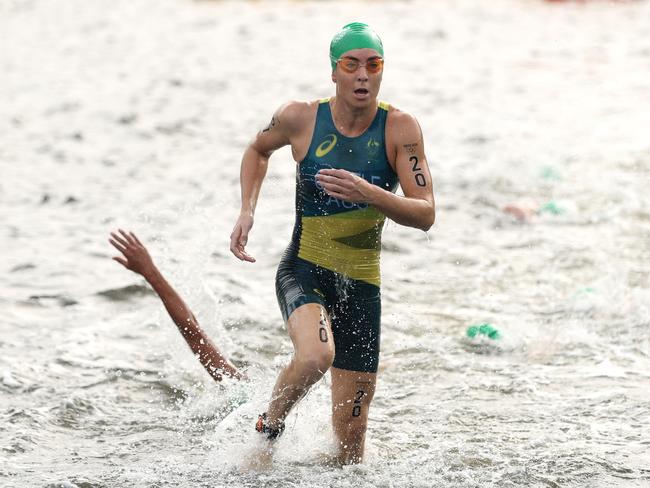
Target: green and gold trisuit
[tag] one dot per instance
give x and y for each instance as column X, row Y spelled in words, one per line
column 333, row 257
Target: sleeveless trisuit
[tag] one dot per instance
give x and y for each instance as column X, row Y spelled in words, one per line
column 333, row 257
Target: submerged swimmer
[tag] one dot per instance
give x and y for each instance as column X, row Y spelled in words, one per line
column 136, row 258
column 352, row 151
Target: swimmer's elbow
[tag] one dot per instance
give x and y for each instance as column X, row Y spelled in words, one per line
column 260, row 153
column 429, row 219
column 426, row 226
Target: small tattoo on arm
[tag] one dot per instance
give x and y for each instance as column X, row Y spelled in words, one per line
column 272, row 124
column 411, row 148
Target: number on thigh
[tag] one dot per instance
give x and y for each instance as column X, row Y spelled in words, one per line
column 310, row 329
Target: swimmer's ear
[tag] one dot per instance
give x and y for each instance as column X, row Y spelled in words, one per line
column 334, row 76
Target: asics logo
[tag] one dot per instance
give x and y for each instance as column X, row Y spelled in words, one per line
column 326, row 146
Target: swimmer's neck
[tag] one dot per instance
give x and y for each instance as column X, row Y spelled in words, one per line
column 352, row 121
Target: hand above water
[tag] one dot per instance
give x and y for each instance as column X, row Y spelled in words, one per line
column 135, row 256
column 239, row 237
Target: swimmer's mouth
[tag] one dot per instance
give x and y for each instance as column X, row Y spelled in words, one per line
column 361, row 91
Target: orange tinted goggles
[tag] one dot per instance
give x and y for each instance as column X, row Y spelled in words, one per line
column 350, row 65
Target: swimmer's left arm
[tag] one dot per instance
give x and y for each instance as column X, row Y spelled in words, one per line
column 417, row 207
column 136, row 258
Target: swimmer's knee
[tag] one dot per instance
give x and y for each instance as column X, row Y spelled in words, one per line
column 320, row 361
column 315, row 365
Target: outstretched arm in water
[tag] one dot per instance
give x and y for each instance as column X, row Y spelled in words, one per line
column 136, row 258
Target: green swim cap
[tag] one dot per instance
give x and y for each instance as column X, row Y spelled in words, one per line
column 356, row 35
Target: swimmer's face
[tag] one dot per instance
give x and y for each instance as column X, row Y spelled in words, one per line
column 360, row 87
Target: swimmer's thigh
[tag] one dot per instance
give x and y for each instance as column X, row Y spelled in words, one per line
column 303, row 308
column 311, row 334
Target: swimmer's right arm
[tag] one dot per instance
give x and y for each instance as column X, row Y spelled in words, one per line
column 254, row 163
column 136, row 258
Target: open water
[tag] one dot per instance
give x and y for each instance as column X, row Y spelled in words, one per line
column 135, row 114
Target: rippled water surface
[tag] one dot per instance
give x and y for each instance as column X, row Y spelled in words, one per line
column 135, row 114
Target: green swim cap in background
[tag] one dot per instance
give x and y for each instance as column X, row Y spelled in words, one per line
column 356, row 35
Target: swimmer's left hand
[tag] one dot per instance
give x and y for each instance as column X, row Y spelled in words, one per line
column 342, row 184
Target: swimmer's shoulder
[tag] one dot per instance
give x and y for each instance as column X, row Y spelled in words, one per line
column 401, row 126
column 398, row 119
column 296, row 114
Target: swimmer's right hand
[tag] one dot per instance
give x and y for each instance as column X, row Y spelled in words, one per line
column 239, row 237
column 135, row 256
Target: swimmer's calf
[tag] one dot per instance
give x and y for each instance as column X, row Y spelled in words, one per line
column 136, row 258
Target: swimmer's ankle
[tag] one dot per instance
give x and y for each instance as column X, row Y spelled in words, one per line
column 263, row 426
